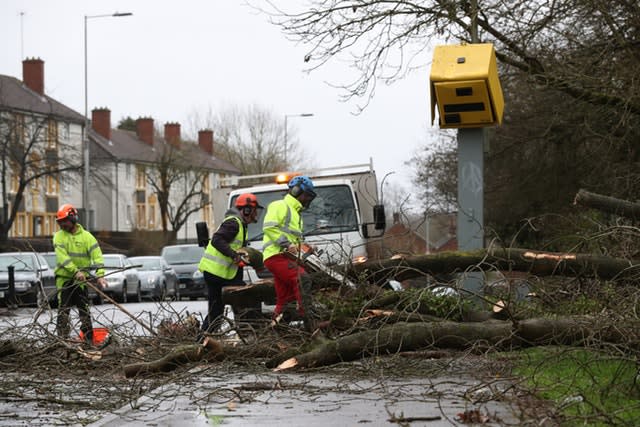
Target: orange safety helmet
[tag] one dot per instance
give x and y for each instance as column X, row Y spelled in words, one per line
column 67, row 211
column 247, row 200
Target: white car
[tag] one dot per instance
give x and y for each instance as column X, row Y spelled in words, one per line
column 122, row 278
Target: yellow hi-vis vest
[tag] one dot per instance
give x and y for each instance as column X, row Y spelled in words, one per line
column 75, row 251
column 215, row 262
column 282, row 226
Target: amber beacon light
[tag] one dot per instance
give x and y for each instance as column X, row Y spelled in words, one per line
column 465, row 86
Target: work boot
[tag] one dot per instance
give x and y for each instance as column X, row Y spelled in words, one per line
column 63, row 328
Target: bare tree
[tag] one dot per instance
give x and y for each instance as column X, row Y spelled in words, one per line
column 436, row 174
column 177, row 177
column 386, row 39
column 251, row 138
column 31, row 156
column 567, row 67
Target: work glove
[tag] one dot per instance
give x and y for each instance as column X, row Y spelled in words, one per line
column 241, row 259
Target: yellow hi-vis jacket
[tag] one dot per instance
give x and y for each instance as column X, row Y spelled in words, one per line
column 75, row 251
column 218, row 264
column 282, row 226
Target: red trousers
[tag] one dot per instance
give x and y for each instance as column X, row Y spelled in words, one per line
column 286, row 275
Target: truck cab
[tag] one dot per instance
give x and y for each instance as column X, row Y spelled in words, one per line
column 340, row 221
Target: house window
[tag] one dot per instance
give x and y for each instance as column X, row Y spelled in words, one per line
column 127, row 171
column 15, row 179
column 20, row 225
column 53, row 185
column 141, row 216
column 152, row 216
column 153, row 203
column 50, row 224
column 65, row 131
column 36, row 163
column 20, row 128
column 141, row 178
column 52, row 134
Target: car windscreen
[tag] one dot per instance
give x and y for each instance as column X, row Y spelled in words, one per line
column 112, row 262
column 183, row 254
column 146, row 264
column 51, row 259
column 19, row 262
column 332, row 211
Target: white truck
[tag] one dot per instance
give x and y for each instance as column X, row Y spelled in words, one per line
column 340, row 221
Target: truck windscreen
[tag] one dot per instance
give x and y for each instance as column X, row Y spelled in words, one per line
column 332, row 211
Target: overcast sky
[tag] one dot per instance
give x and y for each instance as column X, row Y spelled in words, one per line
column 172, row 58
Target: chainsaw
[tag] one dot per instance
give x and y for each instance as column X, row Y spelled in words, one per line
column 310, row 259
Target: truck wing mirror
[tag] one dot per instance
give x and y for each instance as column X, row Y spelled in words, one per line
column 202, row 231
column 379, row 217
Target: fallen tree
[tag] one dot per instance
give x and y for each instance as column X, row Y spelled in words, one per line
column 538, row 263
column 504, row 335
column 608, row 204
column 182, row 355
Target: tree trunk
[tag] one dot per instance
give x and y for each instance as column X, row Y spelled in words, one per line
column 608, row 204
column 7, row 348
column 210, row 349
column 414, row 336
column 535, row 262
column 247, row 296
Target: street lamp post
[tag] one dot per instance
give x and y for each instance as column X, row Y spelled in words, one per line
column 286, row 116
column 85, row 131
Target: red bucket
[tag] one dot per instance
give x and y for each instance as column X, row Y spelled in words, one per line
column 100, row 336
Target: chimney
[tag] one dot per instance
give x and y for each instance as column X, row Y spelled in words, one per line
column 101, row 121
column 172, row 134
column 144, row 129
column 205, row 140
column 33, row 74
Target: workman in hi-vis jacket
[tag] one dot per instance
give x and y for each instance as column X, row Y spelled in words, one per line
column 282, row 227
column 221, row 263
column 76, row 250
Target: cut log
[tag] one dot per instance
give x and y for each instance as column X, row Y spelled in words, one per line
column 608, row 204
column 247, row 296
column 450, row 335
column 7, row 348
column 537, row 263
column 209, row 350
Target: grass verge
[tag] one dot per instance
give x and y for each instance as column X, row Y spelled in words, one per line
column 588, row 387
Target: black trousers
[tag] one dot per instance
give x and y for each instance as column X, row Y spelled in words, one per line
column 215, row 311
column 72, row 295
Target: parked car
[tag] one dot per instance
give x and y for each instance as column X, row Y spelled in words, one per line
column 34, row 280
column 159, row 279
column 185, row 259
column 50, row 257
column 50, row 289
column 122, row 278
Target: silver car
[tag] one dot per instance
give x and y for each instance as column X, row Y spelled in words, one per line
column 159, row 279
column 122, row 278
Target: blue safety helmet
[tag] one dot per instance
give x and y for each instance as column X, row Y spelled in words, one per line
column 301, row 183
